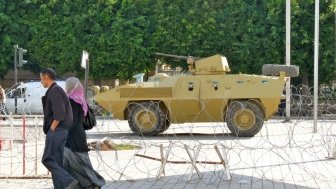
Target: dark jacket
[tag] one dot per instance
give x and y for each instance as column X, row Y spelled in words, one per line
column 56, row 106
column 76, row 140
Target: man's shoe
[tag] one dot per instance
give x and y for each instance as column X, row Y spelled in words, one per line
column 72, row 185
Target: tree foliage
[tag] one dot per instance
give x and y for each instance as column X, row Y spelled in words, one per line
column 122, row 36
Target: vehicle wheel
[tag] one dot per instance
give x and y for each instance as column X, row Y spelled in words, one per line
column 245, row 118
column 275, row 69
column 146, row 118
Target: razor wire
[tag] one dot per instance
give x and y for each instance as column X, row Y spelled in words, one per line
column 282, row 152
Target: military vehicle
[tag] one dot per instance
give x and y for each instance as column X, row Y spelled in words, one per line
column 207, row 94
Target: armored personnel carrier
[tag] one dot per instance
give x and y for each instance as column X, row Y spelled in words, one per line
column 207, row 94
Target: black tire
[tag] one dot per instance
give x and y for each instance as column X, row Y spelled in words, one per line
column 146, row 118
column 167, row 122
column 166, row 126
column 275, row 69
column 245, row 118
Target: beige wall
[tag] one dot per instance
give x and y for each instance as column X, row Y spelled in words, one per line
column 22, row 75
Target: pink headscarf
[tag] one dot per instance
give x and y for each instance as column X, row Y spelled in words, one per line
column 76, row 92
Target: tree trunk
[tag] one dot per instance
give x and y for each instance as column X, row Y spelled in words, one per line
column 305, row 83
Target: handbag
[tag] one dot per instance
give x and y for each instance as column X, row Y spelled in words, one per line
column 89, row 119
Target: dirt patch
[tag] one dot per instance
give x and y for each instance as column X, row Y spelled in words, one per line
column 107, row 145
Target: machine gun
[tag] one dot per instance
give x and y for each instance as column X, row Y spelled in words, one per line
column 190, row 59
column 179, row 57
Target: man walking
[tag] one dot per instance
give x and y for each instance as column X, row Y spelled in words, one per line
column 58, row 119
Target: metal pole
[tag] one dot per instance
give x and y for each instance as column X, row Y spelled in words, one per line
column 288, row 42
column 15, row 104
column 23, row 145
column 36, row 139
column 86, row 77
column 11, row 121
column 316, row 49
column 16, row 47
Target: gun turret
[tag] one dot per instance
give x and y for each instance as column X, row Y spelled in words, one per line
column 190, row 60
column 216, row 64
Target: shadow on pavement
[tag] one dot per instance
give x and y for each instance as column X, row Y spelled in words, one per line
column 210, row 180
column 168, row 136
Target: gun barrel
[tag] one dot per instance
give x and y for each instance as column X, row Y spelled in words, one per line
column 173, row 56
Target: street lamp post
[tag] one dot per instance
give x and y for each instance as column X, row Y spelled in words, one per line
column 288, row 87
column 86, row 65
column 16, row 47
column 316, row 50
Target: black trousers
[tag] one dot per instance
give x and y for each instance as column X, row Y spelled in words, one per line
column 52, row 157
column 78, row 164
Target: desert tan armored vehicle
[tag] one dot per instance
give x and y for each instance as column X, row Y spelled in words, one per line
column 207, row 94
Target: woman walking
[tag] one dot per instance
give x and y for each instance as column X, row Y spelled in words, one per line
column 76, row 157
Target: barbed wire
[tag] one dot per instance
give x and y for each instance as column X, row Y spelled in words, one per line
column 284, row 152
